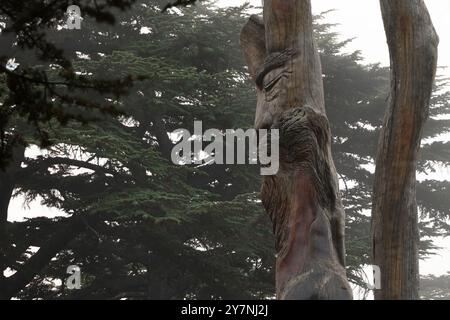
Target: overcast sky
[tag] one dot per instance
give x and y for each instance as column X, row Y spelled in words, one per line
column 362, row 20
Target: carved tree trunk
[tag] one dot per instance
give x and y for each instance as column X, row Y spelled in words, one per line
column 412, row 44
column 303, row 198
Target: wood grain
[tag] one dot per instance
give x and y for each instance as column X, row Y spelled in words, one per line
column 413, row 45
column 303, row 199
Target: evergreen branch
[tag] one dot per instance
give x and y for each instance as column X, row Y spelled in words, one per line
column 13, row 285
column 76, row 163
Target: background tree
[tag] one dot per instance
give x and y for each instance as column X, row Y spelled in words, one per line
column 42, row 85
column 32, row 93
column 154, row 229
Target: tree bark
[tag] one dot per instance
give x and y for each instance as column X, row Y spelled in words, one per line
column 413, row 45
column 303, row 198
column 8, row 177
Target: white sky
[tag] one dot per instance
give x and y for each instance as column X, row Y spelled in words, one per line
column 360, row 20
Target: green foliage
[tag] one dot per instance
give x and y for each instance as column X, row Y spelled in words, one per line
column 45, row 86
column 156, row 230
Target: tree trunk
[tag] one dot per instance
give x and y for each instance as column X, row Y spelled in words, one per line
column 7, row 181
column 7, row 185
column 412, row 44
column 303, row 198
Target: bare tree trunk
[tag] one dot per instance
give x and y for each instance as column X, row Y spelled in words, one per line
column 413, row 45
column 303, row 199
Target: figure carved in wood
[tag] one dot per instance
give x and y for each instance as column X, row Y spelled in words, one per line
column 303, row 198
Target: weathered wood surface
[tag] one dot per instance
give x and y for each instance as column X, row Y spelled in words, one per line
column 303, row 199
column 413, row 45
